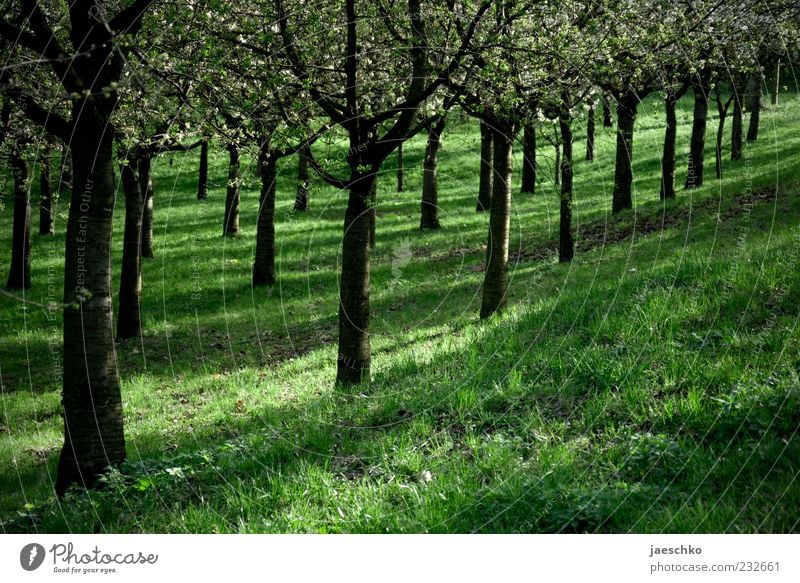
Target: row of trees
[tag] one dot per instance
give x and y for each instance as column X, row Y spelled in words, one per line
column 117, row 83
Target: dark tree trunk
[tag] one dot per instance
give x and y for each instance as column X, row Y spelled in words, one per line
column 608, row 121
column 668, row 155
column 46, row 221
column 529, row 159
column 566, row 246
column 495, row 283
column 65, row 170
column 92, row 404
column 19, row 273
column 590, row 134
column 373, row 213
column 694, row 174
column 303, row 180
column 264, row 264
column 487, row 170
column 202, row 175
column 230, row 225
column 718, row 150
column 146, row 184
column 754, row 106
column 623, row 169
column 736, row 123
column 130, row 282
column 429, row 209
column 722, row 109
column 353, row 365
column 776, row 82
column 400, row 169
column 557, row 165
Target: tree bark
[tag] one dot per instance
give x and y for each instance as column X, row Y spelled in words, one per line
column 400, row 170
column 718, row 149
column 230, row 225
column 694, row 174
column 495, row 283
column 146, row 184
column 487, row 170
column 373, row 213
column 429, row 208
column 303, row 180
column 130, row 282
column 566, row 246
column 776, row 82
column 19, row 273
column 590, row 133
column 264, row 264
column 65, row 170
column 46, row 221
column 92, row 404
column 754, row 106
column 202, row 175
column 623, row 169
column 608, row 121
column 668, row 155
column 353, row 363
column 722, row 110
column 557, row 165
column 736, row 123
column 529, row 159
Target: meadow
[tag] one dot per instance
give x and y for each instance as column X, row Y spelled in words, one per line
column 651, row 385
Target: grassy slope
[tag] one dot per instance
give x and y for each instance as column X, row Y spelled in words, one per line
column 652, row 385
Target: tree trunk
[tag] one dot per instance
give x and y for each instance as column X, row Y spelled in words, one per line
column 46, row 221
column 264, row 264
column 495, row 283
column 146, row 184
column 429, row 211
column 353, row 363
column 400, row 169
column 19, row 273
column 529, row 159
column 373, row 213
column 230, row 226
column 668, row 155
column 566, row 246
column 720, row 138
column 303, row 180
column 737, row 123
column 754, row 105
column 557, row 164
column 65, row 170
column 590, row 134
column 694, row 174
column 92, row 404
column 623, row 169
column 130, row 282
column 202, row 178
column 608, row 121
column 776, row 82
column 722, row 110
column 487, row 170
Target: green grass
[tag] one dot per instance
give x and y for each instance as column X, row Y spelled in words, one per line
column 649, row 386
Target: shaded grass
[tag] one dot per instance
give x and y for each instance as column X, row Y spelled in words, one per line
column 649, row 386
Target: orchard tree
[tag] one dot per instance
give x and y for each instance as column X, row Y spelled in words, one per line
column 245, row 78
column 85, row 45
column 17, row 147
column 380, row 67
column 502, row 85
